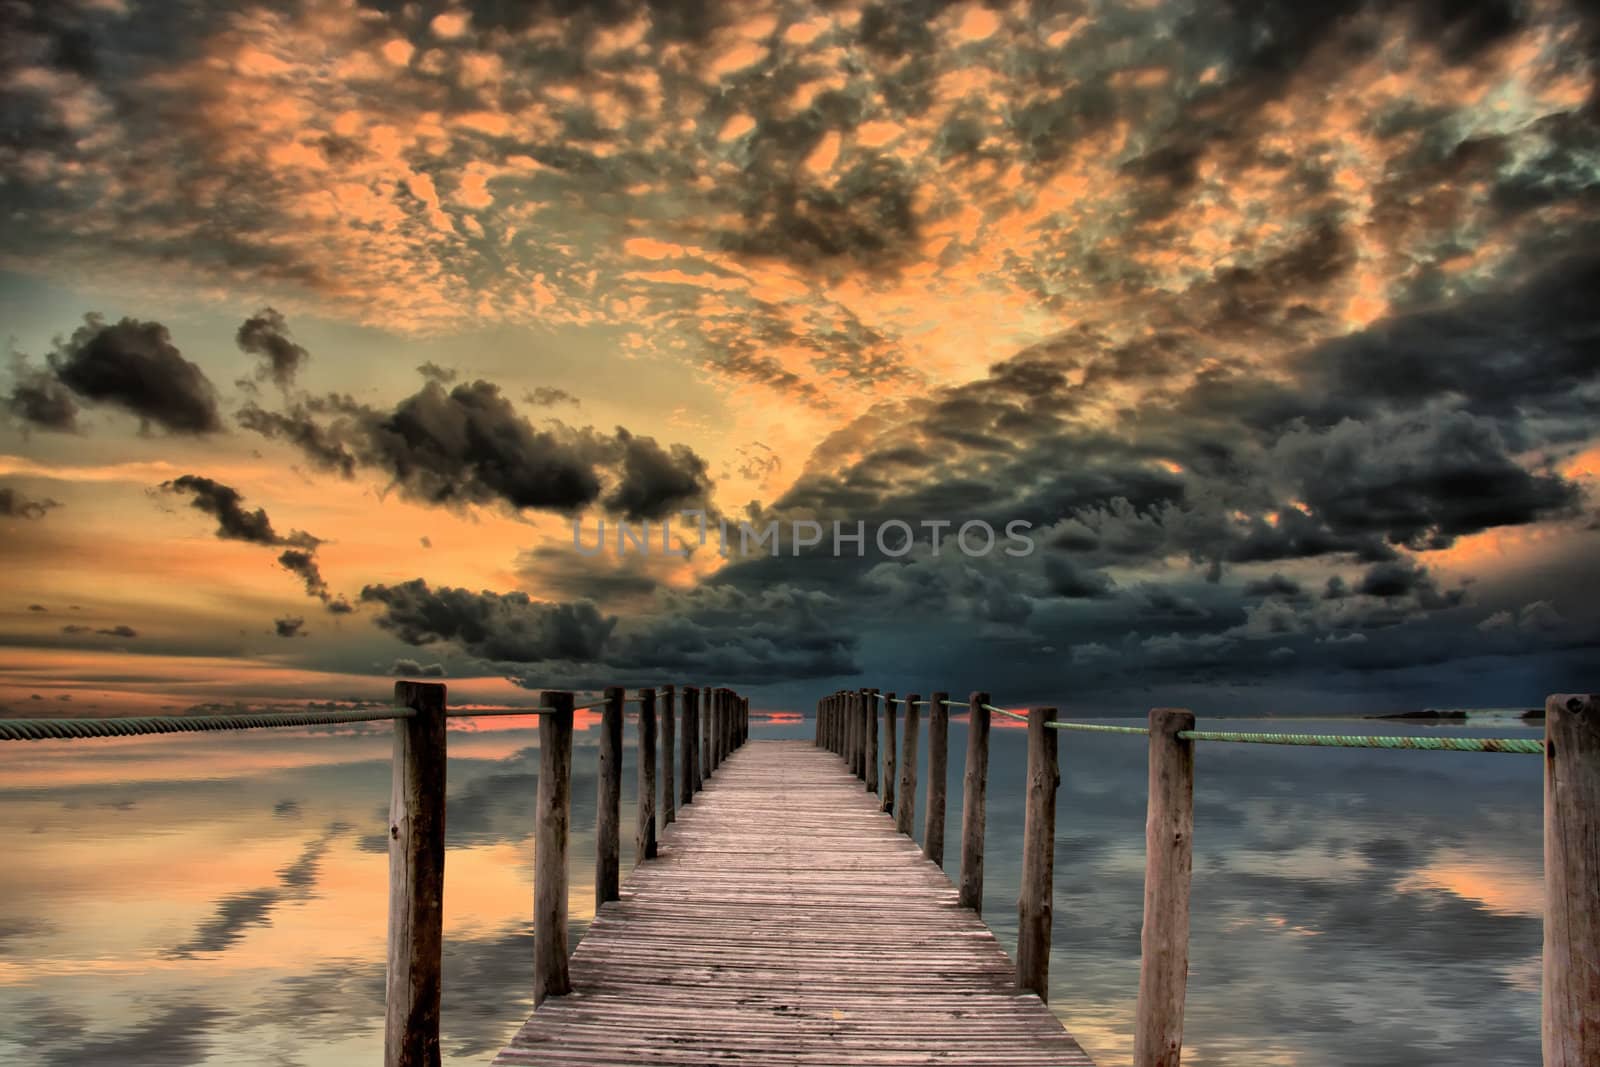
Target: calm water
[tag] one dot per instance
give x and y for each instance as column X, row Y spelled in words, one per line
column 219, row 899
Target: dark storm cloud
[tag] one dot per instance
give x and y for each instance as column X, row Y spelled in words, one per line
column 303, row 564
column 715, row 630
column 131, row 365
column 14, row 504
column 300, row 428
column 39, row 400
column 464, row 446
column 435, row 373
column 266, row 334
column 289, row 626
column 657, row 482
column 509, row 627
column 1067, row 579
column 469, row 445
column 410, row 668
column 234, row 521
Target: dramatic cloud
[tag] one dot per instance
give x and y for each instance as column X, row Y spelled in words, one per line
column 234, row 522
column 289, row 626
column 266, row 334
column 39, row 400
column 657, row 482
column 14, row 504
column 131, row 365
column 509, row 627
column 469, row 445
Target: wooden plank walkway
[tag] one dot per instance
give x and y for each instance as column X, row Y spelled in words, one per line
column 786, row 922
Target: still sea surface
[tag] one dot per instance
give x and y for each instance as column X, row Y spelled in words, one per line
column 220, row 898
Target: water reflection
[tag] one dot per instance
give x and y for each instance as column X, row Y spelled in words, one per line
column 219, row 899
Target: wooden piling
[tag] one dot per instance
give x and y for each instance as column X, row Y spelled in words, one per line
column 1036, row 901
column 691, row 701
column 669, row 734
column 644, row 837
column 413, row 979
column 1164, row 939
column 708, row 719
column 608, row 801
column 974, row 804
column 938, row 777
column 1571, row 1018
column 906, row 791
column 552, row 834
column 871, row 756
column 889, row 753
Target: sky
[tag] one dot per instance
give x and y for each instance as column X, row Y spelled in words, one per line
column 328, row 324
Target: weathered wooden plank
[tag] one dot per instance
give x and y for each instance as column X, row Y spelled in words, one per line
column 416, row 879
column 1571, row 1025
column 1168, row 847
column 787, row 921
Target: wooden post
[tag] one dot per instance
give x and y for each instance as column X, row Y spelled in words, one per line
column 817, row 741
column 852, row 727
column 725, row 735
column 1168, row 850
column 608, row 802
column 644, row 838
column 905, row 797
column 1036, row 902
column 552, row 832
column 1571, row 1024
column 691, row 701
column 413, row 980
column 871, row 755
column 889, row 753
column 975, row 804
column 938, row 776
column 669, row 734
column 708, row 715
column 864, row 716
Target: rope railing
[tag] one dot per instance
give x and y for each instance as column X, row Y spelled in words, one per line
column 140, row 725
column 1515, row 745
column 489, row 713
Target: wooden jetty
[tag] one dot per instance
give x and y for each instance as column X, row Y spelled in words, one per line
column 785, row 921
column 780, row 911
